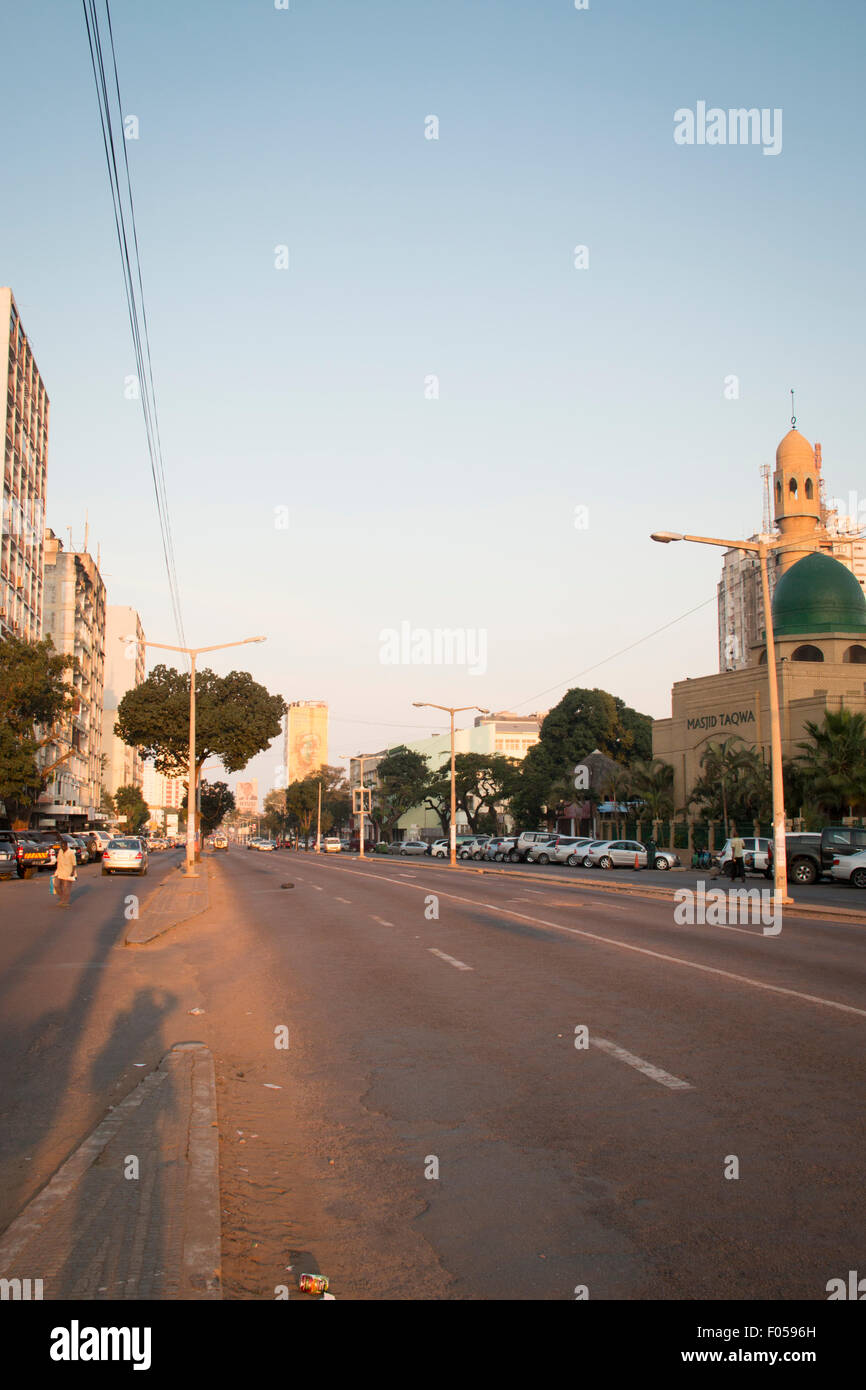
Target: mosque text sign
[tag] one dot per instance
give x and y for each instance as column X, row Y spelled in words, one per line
column 719, row 721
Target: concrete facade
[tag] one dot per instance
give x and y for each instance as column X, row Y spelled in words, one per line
column 306, row 739
column 25, row 411
column 74, row 617
column 124, row 670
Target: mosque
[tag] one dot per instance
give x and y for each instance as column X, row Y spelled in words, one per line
column 819, row 623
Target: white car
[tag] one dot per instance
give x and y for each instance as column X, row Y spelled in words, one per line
column 125, row 855
column 331, row 844
column 850, row 868
column 754, row 853
column 626, row 854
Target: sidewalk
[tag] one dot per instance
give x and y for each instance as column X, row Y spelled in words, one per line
column 176, row 900
column 134, row 1212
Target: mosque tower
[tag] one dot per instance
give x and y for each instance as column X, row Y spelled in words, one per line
column 797, row 496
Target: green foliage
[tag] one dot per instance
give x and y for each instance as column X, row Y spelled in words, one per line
column 129, row 802
column 735, row 785
column 834, row 762
column 33, row 692
column 403, row 778
column 236, row 718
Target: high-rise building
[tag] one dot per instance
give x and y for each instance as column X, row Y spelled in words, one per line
column 163, row 795
column 808, row 523
column 25, row 434
column 74, row 617
column 124, row 670
column 306, row 744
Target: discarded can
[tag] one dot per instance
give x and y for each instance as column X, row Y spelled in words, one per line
column 313, row 1283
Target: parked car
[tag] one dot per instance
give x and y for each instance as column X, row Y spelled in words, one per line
column 499, row 848
column 803, row 857
column 78, row 847
column 97, row 840
column 405, row 847
column 30, row 856
column 850, row 868
column 382, row 847
column 126, row 854
column 754, row 853
column 840, row 841
column 53, row 842
column 584, row 853
column 526, row 840
column 8, row 861
column 622, row 854
column 569, row 849
column 438, row 849
column 472, row 849
column 331, row 844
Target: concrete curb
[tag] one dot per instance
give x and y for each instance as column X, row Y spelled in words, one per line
column 176, row 900
column 88, row 1222
column 852, row 915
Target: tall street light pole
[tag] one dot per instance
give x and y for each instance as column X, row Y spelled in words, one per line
column 192, row 653
column 452, row 825
column 762, row 549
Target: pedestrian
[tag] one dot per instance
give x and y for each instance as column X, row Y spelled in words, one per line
column 738, row 860
column 65, row 875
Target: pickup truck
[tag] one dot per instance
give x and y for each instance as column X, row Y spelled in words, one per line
column 30, row 856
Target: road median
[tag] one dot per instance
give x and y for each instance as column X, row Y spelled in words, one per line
column 177, row 899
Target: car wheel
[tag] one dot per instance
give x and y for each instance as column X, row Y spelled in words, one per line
column 587, row 863
column 804, row 871
column 605, row 862
column 514, row 857
column 544, row 858
column 858, row 878
column 660, row 863
column 572, row 861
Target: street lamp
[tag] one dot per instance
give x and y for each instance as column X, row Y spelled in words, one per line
column 452, row 826
column 360, row 757
column 761, row 548
column 192, row 653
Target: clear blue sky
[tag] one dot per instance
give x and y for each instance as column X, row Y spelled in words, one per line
column 559, row 388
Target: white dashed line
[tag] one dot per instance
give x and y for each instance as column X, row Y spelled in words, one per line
column 344, row 900
column 664, row 1078
column 317, row 888
column 458, row 964
column 381, row 921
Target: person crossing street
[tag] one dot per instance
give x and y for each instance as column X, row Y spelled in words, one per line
column 65, row 875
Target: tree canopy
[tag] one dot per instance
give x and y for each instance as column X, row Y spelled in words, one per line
column 34, row 696
column 236, row 718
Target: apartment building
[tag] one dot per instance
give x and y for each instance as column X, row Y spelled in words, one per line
column 124, row 670
column 25, row 436
column 74, row 617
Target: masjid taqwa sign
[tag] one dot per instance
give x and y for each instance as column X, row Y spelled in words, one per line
column 722, row 720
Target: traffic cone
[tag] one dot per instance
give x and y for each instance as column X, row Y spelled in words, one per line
column 636, row 860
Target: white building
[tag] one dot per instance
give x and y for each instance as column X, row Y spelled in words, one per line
column 124, row 670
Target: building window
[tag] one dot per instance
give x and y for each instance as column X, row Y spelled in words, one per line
column 807, row 653
column 809, row 489
column 792, row 487
column 855, row 656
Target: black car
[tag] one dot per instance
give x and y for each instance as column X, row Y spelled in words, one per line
column 838, row 841
column 30, row 856
column 802, row 857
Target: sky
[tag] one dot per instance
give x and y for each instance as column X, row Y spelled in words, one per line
column 320, row 492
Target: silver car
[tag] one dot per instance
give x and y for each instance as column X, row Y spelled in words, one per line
column 125, row 855
column 626, row 854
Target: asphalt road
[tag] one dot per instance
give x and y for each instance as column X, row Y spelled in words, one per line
column 431, row 1021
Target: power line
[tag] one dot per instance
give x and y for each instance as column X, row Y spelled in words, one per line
column 127, row 240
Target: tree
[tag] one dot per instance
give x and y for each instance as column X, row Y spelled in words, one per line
column 403, row 778
column 719, row 790
column 34, row 695
column 129, row 802
column 481, row 780
column 274, row 812
column 652, row 783
column 235, row 719
column 217, row 799
column 302, row 799
column 833, row 761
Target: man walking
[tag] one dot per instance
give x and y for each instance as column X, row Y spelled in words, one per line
column 64, row 875
column 738, row 853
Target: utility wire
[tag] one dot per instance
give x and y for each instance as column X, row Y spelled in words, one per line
column 127, row 237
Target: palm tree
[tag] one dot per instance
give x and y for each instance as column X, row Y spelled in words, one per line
column 834, row 761
column 617, row 788
column 652, row 781
column 722, row 764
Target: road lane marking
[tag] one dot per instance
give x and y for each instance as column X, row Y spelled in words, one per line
column 317, row 888
column 381, row 921
column 458, row 964
column 664, row 1078
column 344, row 900
column 645, row 951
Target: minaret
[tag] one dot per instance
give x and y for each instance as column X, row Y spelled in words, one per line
column 796, row 496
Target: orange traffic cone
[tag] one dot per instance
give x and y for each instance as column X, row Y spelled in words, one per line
column 636, row 860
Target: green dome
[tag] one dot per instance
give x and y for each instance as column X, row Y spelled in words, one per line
column 818, row 594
